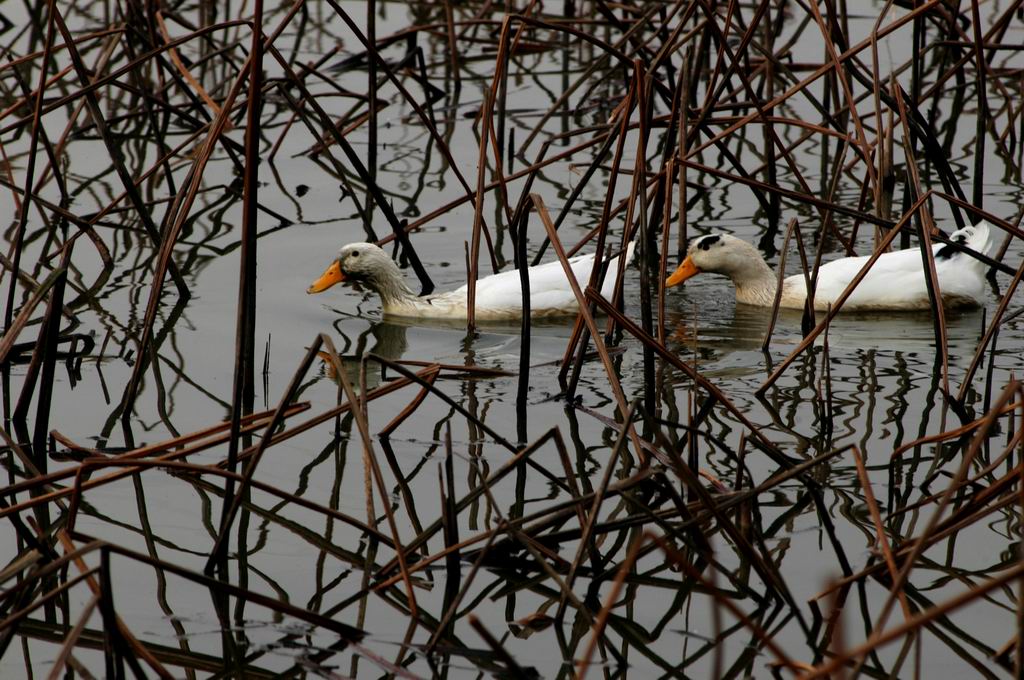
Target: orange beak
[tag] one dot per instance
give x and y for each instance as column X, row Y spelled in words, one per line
column 330, row 277
column 686, row 270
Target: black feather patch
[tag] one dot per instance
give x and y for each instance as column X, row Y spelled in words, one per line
column 708, row 241
column 948, row 251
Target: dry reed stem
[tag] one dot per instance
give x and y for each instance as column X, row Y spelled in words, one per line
column 737, row 103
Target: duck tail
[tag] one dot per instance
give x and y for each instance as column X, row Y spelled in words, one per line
column 981, row 238
column 977, row 237
column 615, row 253
column 630, row 250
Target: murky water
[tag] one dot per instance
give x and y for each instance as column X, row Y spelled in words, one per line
column 884, row 392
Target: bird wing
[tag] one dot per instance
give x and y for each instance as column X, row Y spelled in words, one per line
column 897, row 279
column 549, row 287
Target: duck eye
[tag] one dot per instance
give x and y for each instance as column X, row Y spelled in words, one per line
column 355, row 253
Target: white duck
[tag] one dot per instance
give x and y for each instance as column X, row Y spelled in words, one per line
column 896, row 282
column 498, row 297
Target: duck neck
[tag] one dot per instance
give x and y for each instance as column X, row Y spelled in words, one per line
column 756, row 284
column 392, row 289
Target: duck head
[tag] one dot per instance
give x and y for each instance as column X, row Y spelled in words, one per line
column 720, row 254
column 362, row 263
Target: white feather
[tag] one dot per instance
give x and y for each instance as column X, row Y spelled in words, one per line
column 897, row 280
column 499, row 296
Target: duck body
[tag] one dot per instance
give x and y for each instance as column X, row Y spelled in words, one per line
column 498, row 297
column 896, row 282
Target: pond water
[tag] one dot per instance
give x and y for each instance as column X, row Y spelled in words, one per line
column 876, row 386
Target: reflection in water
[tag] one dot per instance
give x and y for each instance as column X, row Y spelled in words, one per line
column 877, row 385
column 726, row 327
column 385, row 339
